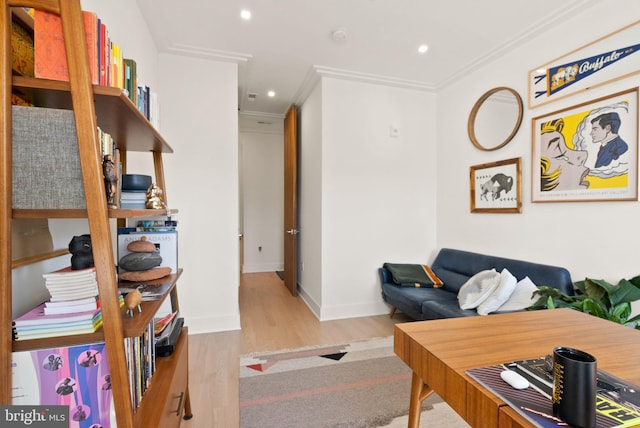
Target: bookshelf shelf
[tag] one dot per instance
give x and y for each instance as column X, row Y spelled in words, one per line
column 81, row 213
column 38, row 258
column 116, row 114
column 135, row 326
column 131, row 326
column 110, row 109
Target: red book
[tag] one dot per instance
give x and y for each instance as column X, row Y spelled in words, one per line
column 50, row 59
column 102, row 53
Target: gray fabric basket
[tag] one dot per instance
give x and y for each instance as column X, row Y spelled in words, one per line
column 46, row 166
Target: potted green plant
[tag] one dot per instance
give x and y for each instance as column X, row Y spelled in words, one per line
column 596, row 297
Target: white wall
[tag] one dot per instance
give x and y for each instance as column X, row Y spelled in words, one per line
column 262, row 182
column 310, row 200
column 595, row 239
column 200, row 121
column 377, row 192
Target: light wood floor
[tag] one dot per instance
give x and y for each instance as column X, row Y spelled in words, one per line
column 271, row 319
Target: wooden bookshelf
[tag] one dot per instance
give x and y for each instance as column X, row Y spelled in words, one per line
column 111, row 110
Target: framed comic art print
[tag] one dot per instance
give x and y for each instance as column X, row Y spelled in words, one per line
column 588, row 152
column 496, row 187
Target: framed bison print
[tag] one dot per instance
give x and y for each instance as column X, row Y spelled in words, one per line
column 496, row 187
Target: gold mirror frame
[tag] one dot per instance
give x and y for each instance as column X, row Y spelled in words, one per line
column 474, row 113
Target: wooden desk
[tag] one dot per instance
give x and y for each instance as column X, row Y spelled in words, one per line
column 440, row 351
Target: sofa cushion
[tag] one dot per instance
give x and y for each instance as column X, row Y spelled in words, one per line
column 478, row 288
column 522, row 296
column 500, row 295
column 455, row 267
column 445, row 308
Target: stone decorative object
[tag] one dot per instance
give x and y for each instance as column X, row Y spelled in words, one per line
column 140, row 261
column 131, row 301
column 146, row 275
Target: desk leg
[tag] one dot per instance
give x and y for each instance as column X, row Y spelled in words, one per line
column 419, row 392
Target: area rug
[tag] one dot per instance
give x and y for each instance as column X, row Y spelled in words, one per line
column 361, row 384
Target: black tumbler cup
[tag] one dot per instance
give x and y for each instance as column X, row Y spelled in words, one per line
column 574, row 387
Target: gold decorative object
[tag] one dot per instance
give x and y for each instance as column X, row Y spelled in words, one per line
column 154, row 198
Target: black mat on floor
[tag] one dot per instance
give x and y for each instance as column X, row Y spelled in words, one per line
column 280, row 273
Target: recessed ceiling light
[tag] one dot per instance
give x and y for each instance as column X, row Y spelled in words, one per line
column 339, row 35
column 423, row 48
column 245, row 14
column 271, row 94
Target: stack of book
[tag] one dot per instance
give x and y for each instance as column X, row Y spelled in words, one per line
column 108, row 65
column 133, row 199
column 66, row 284
column 74, row 307
column 36, row 325
column 164, row 326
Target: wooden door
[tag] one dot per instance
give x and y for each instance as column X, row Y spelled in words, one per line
column 291, row 200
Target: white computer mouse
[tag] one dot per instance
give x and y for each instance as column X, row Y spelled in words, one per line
column 514, row 379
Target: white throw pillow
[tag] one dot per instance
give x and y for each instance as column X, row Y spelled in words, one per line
column 500, row 295
column 521, row 298
column 477, row 288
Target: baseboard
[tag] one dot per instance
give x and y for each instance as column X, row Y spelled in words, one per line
column 262, row 267
column 336, row 312
column 308, row 300
column 365, row 309
column 212, row 324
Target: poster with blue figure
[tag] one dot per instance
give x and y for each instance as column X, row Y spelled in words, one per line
column 74, row 376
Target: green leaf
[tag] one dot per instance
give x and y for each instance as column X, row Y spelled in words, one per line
column 592, row 307
column 624, row 292
column 635, row 280
column 550, row 304
column 621, row 312
column 579, row 285
column 597, row 289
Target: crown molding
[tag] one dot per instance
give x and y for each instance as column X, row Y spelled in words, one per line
column 259, row 114
column 316, row 72
column 212, row 54
column 357, row 76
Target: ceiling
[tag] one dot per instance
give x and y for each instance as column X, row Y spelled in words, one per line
column 287, row 44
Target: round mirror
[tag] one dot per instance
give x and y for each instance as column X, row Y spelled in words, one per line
column 495, row 118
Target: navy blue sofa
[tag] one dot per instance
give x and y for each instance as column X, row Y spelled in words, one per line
column 454, row 268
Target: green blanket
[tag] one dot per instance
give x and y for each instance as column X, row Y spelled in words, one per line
column 413, row 275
